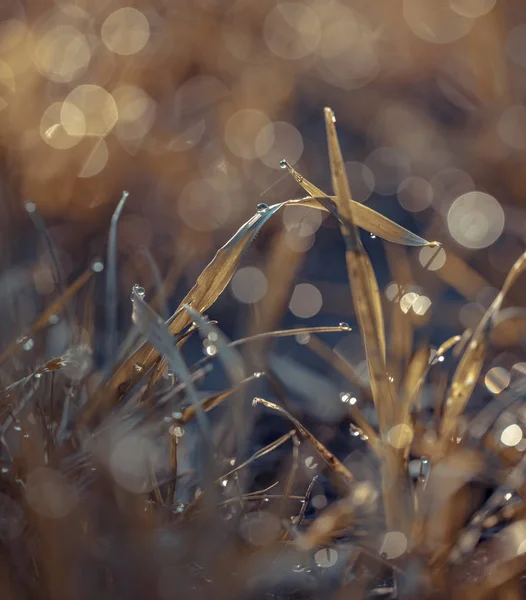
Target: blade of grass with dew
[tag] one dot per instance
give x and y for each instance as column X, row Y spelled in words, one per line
column 363, row 284
column 111, row 286
column 212, row 282
column 468, row 370
column 364, row 217
column 328, row 457
column 155, row 330
column 209, row 286
column 232, row 362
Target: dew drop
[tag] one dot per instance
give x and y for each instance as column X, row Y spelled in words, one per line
column 38, row 375
column 137, row 367
column 138, row 291
column 373, row 237
column 177, row 415
column 346, row 398
column 209, row 348
column 355, row 432
column 224, row 482
column 258, row 374
column 179, row 507
column 5, row 470
column 283, row 164
column 30, row 207
column 344, row 326
column 28, row 344
column 97, row 266
column 262, row 207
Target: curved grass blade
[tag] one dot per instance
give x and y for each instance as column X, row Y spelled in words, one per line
column 328, row 457
column 470, row 365
column 209, row 286
column 111, row 285
column 364, row 217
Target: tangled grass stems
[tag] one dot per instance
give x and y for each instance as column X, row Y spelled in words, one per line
column 108, row 487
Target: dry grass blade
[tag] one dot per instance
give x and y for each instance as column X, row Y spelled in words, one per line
column 364, row 288
column 209, row 286
column 332, row 462
column 208, row 404
column 55, row 308
column 413, row 381
column 470, row 365
column 364, row 217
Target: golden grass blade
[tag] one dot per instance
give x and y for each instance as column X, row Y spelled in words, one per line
column 332, row 462
column 413, row 381
column 208, row 287
column 470, row 365
column 364, row 217
column 364, row 288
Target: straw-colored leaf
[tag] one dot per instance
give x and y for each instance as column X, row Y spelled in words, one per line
column 364, row 288
column 364, row 217
column 470, row 365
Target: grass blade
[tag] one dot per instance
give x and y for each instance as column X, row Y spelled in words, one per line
column 364, row 288
column 111, row 285
column 155, row 330
column 364, row 217
column 470, row 365
column 328, row 457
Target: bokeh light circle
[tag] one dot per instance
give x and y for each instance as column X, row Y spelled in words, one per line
column 475, row 220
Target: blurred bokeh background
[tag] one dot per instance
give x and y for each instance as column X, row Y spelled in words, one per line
column 191, row 105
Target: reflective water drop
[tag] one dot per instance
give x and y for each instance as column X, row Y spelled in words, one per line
column 179, row 507
column 177, row 415
column 97, row 266
column 302, row 338
column 373, row 237
column 258, row 374
column 262, row 207
column 138, row 291
column 28, row 344
column 224, row 482
column 209, row 348
column 346, row 398
column 310, row 463
column 212, row 336
column 344, row 326
column 38, row 375
column 355, row 431
column 5, row 469
column 137, row 367
column 283, row 164
column 53, row 320
column 17, row 427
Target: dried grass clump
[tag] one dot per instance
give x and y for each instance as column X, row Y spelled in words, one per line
column 131, row 483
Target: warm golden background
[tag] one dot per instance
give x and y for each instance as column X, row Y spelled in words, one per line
column 191, row 105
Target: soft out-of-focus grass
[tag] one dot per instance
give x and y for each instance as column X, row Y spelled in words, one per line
column 130, row 480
